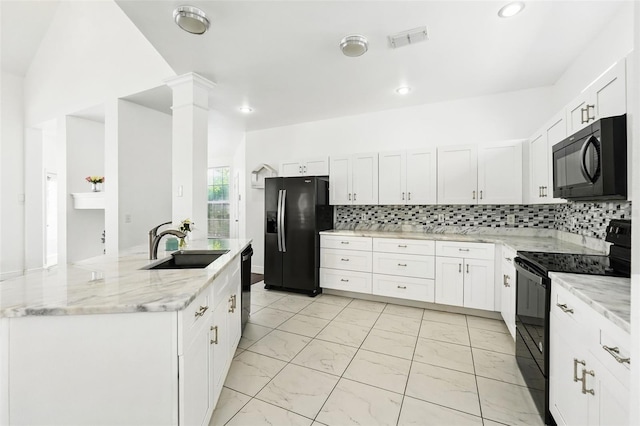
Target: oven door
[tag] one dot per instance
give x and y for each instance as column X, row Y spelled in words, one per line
column 577, row 166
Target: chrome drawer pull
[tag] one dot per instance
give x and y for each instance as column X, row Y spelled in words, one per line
column 201, row 311
column 584, row 381
column 344, row 260
column 615, row 352
column 575, row 369
column 214, row 341
column 343, row 280
column 403, row 287
column 344, row 242
column 402, row 245
column 463, row 249
column 402, row 264
column 564, row 308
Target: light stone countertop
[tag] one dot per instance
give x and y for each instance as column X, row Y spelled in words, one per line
column 510, row 239
column 609, row 296
column 113, row 284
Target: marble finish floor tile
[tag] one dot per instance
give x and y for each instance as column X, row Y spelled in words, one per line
column 503, row 367
column 384, row 371
column 398, row 324
column 266, row 298
column 492, row 341
column 346, row 334
column 229, row 403
column 421, row 413
column 367, row 305
column 280, row 345
column 268, row 317
column 258, row 413
column 442, row 386
column 443, row 354
column 357, row 404
column 507, row 403
column 404, row 311
column 256, row 308
column 299, row 389
column 239, row 350
column 487, row 324
column 445, row 317
column 252, row 333
column 291, row 304
column 333, row 300
column 250, row 371
column 329, row 357
column 445, row 332
column 322, row 310
column 303, row 324
column 390, row 343
column 357, row 317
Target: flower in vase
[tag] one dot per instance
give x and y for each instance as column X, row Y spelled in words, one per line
column 95, row 179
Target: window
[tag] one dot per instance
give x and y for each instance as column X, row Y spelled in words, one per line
column 218, row 208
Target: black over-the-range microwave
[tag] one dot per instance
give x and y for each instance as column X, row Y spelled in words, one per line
column 592, row 163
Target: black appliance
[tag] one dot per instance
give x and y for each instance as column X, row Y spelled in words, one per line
column 592, row 163
column 296, row 210
column 533, row 298
column 245, row 278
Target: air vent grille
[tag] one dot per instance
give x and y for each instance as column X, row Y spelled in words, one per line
column 406, row 38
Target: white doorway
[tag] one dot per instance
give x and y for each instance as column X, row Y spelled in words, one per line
column 51, row 220
column 236, row 211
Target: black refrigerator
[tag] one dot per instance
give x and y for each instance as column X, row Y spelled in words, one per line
column 296, row 209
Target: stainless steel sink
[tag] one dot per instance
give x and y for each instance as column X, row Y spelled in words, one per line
column 188, row 259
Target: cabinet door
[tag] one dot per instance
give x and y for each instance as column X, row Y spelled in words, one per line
column 479, row 284
column 449, row 281
column 609, row 92
column 290, row 168
column 392, row 180
column 364, row 178
column 219, row 341
column 556, row 131
column 458, row 174
column 577, row 113
column 609, row 404
column 316, row 167
column 195, row 372
column 539, row 166
column 508, row 299
column 500, row 173
column 339, row 181
column 421, row 176
column 235, row 314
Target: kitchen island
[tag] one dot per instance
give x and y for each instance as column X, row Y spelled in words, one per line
column 105, row 342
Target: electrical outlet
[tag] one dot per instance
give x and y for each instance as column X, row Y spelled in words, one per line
column 363, row 216
column 127, row 218
column 441, row 217
column 511, row 219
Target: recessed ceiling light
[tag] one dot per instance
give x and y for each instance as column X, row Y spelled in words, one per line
column 403, row 90
column 191, row 19
column 246, row 109
column 511, row 9
column 354, row 45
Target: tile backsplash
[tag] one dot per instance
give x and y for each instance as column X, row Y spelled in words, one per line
column 588, row 219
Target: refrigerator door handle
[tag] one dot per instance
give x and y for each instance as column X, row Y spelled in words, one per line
column 282, row 220
column 279, row 220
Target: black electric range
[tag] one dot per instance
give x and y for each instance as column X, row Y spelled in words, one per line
column 533, row 298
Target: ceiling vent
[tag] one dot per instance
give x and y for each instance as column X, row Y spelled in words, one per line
column 405, row 38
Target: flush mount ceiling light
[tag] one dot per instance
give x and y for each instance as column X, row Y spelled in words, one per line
column 511, row 9
column 191, row 19
column 246, row 109
column 354, row 45
column 403, row 90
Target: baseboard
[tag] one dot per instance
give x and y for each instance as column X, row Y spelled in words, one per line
column 8, row 275
column 257, row 269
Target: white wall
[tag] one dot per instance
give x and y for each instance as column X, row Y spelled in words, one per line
column 90, row 53
column 467, row 121
column 34, row 177
column 11, row 176
column 85, row 157
column 144, row 172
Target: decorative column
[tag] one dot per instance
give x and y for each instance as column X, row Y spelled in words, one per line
column 189, row 150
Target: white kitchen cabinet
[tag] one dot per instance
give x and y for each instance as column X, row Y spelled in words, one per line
column 407, row 177
column 306, row 167
column 508, row 289
column 458, row 174
column 479, row 284
column 195, row 365
column 219, row 339
column 605, row 97
column 449, row 284
column 354, row 179
column 541, row 159
column 500, row 173
column 347, row 267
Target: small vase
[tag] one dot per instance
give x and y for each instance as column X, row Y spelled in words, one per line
column 95, row 186
column 182, row 243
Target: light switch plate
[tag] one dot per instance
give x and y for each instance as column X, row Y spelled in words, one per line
column 441, row 217
column 511, row 219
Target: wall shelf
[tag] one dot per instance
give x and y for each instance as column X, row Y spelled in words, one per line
column 88, row 200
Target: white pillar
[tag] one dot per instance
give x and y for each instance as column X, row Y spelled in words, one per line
column 189, row 150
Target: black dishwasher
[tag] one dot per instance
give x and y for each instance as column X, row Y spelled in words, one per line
column 245, row 277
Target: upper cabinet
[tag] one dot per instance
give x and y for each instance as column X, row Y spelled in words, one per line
column 540, row 162
column 354, row 179
column 407, row 177
column 605, row 97
column 480, row 174
column 305, row 167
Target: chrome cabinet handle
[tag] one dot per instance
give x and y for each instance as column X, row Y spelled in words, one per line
column 461, row 249
column 509, row 259
column 615, row 352
column 459, row 267
column 230, row 304
column 540, row 191
column 505, row 281
column 474, row 195
column 584, row 381
column 544, row 191
column 402, row 245
column 402, row 264
column 481, row 194
column 344, row 242
column 343, row 280
column 300, row 169
column 582, row 119
column 402, row 287
column 349, row 196
column 564, row 308
column 304, row 169
column 589, row 118
column 214, row 341
column 409, row 196
column 354, row 196
column 576, row 361
column 403, row 196
column 200, row 312
column 344, row 260
column 467, row 268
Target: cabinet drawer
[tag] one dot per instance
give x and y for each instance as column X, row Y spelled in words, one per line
column 406, row 265
column 195, row 314
column 466, row 250
column 508, row 254
column 349, row 260
column 221, row 286
column 345, row 280
column 618, row 343
column 403, row 287
column 574, row 315
column 393, row 245
column 349, row 243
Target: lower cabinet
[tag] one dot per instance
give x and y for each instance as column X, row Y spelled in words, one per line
column 508, row 290
column 403, row 287
column 196, row 369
